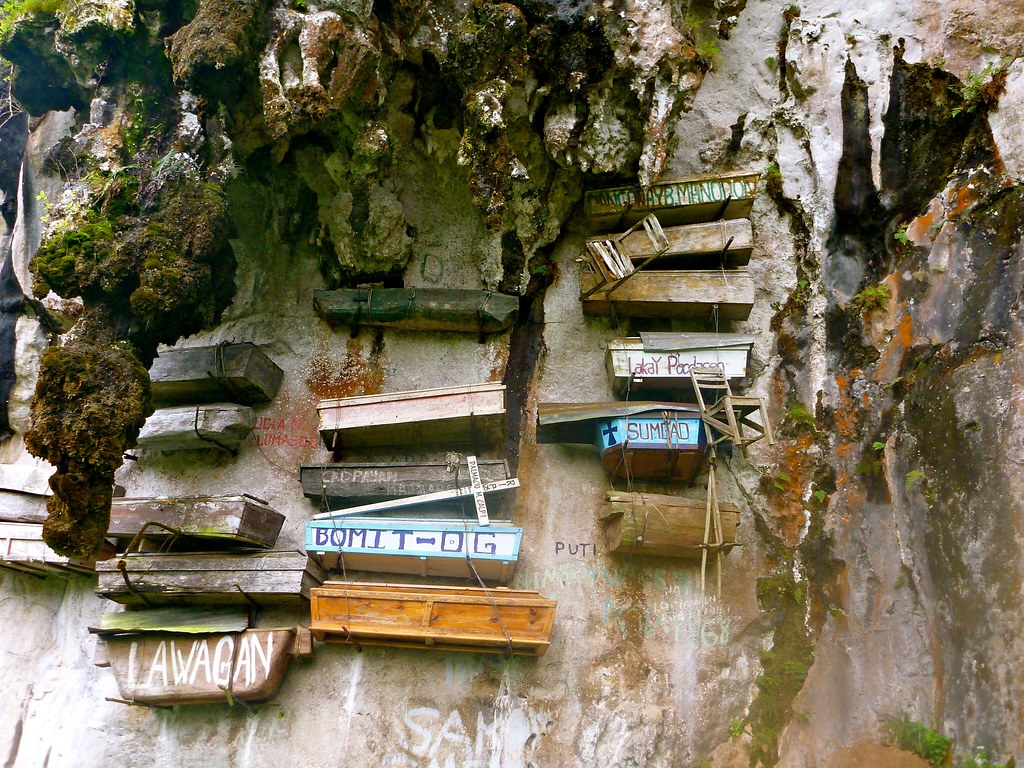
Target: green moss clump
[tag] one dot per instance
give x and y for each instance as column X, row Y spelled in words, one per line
column 872, row 298
column 90, row 402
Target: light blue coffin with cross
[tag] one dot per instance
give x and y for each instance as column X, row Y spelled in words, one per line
column 457, row 548
column 666, row 431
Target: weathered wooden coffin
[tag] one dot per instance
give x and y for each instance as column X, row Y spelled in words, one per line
column 230, row 520
column 449, row 416
column 426, row 616
column 22, row 549
column 680, row 201
column 167, row 668
column 234, row 373
column 197, row 427
column 668, row 526
column 672, row 293
column 662, row 361
column 419, row 309
column 653, row 446
column 421, row 547
column 725, row 243
column 23, row 492
column 579, row 422
column 209, row 578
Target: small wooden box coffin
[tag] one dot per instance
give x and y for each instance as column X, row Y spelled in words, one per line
column 449, row 416
column 167, row 668
column 347, row 485
column 234, row 373
column 668, row 526
column 22, row 549
column 670, row 293
column 426, row 616
column 230, row 520
column 680, row 201
column 662, row 361
column 421, row 547
column 725, row 243
column 197, row 427
column 23, row 492
column 209, row 578
column 419, row 309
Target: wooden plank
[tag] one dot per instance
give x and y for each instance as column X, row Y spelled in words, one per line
column 417, row 546
column 679, row 201
column 632, row 364
column 182, row 619
column 672, row 293
column 162, row 669
column 578, row 422
column 725, row 243
column 427, row 616
column 415, row 501
column 235, row 373
column 31, row 479
column 197, row 427
column 22, row 549
column 240, row 520
column 22, row 507
column 354, row 484
column 209, row 578
column 668, row 526
column 419, row 309
column 451, row 416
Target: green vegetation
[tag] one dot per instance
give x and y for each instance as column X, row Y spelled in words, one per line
column 772, row 63
column 930, row 745
column 873, row 297
column 797, row 418
column 736, row 728
column 912, row 478
column 979, row 87
column 13, row 10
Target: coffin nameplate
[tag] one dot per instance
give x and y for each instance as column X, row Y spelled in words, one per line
column 664, row 432
column 630, row 363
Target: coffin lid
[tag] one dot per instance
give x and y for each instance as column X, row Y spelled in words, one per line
column 656, row 342
column 576, row 422
column 181, row 619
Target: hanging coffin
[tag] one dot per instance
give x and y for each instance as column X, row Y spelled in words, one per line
column 682, row 201
column 230, row 520
column 456, row 548
column 671, row 293
column 23, row 492
column 22, row 549
column 161, row 669
column 667, row 526
column 426, row 616
column 448, row 416
column 345, row 485
column 419, row 309
column 726, row 243
column 197, row 427
column 662, row 361
column 209, row 578
column 235, row 373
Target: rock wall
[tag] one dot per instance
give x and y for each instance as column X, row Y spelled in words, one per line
column 444, row 144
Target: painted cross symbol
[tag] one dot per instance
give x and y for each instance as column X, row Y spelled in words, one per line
column 609, row 431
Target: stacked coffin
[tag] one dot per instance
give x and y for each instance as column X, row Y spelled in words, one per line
column 190, row 572
column 204, row 396
column 429, row 519
column 697, row 269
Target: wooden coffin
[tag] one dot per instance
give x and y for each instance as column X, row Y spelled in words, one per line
column 346, row 485
column 23, row 492
column 448, row 416
column 662, row 361
column 653, row 446
column 680, row 201
column 668, row 526
column 579, row 422
column 166, row 668
column 419, row 309
column 671, row 293
column 725, row 243
column 230, row 520
column 209, row 578
column 22, row 549
column 197, row 427
column 233, row 373
column 426, row 616
column 421, row 547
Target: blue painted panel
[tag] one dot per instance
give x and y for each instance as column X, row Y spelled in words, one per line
column 414, row 538
column 651, row 432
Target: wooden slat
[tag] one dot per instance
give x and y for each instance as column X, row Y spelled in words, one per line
column 462, row 618
column 30, row 479
column 184, row 619
column 679, row 201
column 419, row 309
column 655, row 524
column 578, row 422
column 352, row 484
column 234, row 373
column 22, row 507
column 728, row 243
column 22, row 549
column 240, row 520
column 681, row 294
column 209, row 578
column 198, row 427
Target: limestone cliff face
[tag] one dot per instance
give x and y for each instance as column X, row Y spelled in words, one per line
column 197, row 169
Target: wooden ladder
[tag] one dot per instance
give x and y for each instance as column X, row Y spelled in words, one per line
column 728, row 415
column 615, row 267
column 714, row 540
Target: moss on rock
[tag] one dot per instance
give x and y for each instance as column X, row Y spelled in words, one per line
column 89, row 404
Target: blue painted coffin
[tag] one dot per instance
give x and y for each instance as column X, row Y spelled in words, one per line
column 661, row 447
column 422, row 547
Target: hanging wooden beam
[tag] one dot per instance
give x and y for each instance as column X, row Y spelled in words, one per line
column 419, row 309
